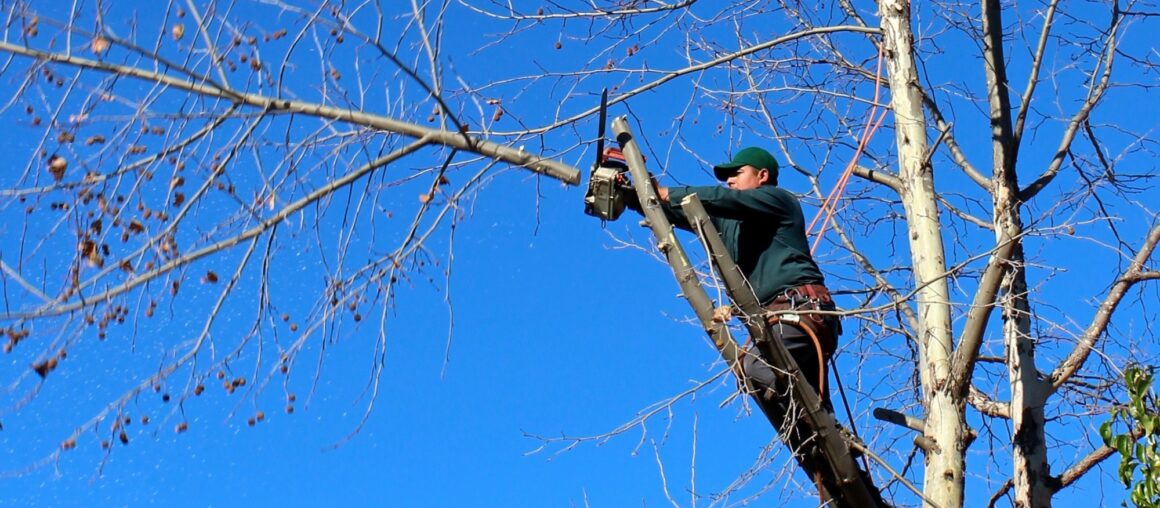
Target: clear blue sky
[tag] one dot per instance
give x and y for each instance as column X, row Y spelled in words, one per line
column 558, row 329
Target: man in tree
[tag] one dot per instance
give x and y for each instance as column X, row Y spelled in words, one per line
column 763, row 228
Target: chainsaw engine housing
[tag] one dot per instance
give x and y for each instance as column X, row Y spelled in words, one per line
column 605, row 196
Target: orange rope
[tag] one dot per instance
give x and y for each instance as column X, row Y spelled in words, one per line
column 830, row 205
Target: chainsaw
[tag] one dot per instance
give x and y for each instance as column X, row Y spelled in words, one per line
column 608, row 182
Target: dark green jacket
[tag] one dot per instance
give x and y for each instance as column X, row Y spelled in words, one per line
column 763, row 229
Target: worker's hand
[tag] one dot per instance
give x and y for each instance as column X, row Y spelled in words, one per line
column 662, row 192
column 723, row 314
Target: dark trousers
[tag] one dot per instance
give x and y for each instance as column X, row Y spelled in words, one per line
column 800, row 347
column 773, row 389
column 772, row 384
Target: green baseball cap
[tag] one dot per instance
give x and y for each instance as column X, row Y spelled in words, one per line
column 751, row 156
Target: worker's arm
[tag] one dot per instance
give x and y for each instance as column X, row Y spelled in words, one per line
column 672, row 212
column 763, row 202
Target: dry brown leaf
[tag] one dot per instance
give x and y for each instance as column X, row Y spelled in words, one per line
column 56, row 166
column 99, row 44
column 43, row 368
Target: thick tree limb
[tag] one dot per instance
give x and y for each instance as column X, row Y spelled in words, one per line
column 971, row 338
column 879, row 176
column 984, row 404
column 674, row 253
column 840, row 472
column 1082, row 466
column 843, row 483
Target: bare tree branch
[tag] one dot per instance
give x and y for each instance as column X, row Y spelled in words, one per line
column 455, row 140
column 1099, row 324
column 1101, row 80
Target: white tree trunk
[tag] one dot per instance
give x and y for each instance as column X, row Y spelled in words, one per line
column 943, row 482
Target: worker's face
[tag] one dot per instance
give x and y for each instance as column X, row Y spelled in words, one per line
column 747, row 177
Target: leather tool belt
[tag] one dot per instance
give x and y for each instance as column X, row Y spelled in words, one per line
column 810, row 297
column 805, row 292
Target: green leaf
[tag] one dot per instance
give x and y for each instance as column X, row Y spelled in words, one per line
column 1131, row 373
column 1123, row 445
column 1125, row 472
column 1139, row 468
column 1138, row 387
